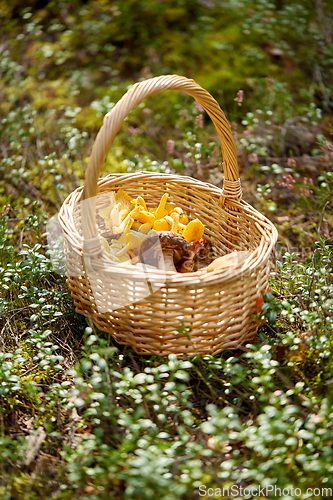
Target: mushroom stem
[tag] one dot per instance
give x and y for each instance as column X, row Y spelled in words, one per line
column 170, row 247
column 160, row 209
column 168, row 257
column 174, row 227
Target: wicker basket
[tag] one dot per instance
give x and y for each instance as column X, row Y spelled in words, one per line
column 186, row 314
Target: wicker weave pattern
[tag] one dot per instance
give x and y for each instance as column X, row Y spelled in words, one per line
column 194, row 313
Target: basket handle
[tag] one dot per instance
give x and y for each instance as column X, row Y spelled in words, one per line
column 113, row 120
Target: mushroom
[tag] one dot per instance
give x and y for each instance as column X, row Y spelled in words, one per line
column 171, row 221
column 143, row 216
column 145, row 228
column 205, row 254
column 161, row 225
column 174, row 226
column 194, row 230
column 140, row 201
column 165, row 246
column 161, row 207
column 201, row 254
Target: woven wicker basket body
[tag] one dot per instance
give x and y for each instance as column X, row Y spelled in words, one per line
column 186, row 314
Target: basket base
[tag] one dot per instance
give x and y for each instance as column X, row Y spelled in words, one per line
column 210, row 343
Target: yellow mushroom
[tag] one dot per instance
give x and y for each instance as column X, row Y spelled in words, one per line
column 170, row 220
column 105, row 212
column 144, row 228
column 161, row 207
column 183, row 219
column 134, row 239
column 123, row 212
column 193, row 231
column 174, row 227
column 120, row 205
column 140, row 201
column 169, row 207
column 161, row 225
column 136, row 224
column 122, row 240
column 177, row 210
column 143, row 216
column 125, row 223
column 123, row 198
column 154, row 210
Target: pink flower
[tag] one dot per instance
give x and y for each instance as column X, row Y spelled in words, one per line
column 253, row 157
column 291, row 162
column 7, row 208
column 147, row 111
column 134, row 130
column 170, row 146
column 289, row 181
column 199, row 121
column 183, row 114
column 264, row 20
column 239, row 97
column 246, row 133
column 305, row 191
column 197, row 108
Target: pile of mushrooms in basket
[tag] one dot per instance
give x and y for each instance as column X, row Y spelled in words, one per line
column 160, row 237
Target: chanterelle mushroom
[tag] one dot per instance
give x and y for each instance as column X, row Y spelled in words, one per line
column 164, row 246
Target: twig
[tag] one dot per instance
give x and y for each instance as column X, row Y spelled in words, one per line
column 7, row 323
column 28, row 371
column 321, row 218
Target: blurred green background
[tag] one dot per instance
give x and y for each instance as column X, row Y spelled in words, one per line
column 65, row 64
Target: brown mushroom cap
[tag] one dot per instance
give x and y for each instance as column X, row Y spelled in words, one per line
column 175, row 242
column 165, row 241
column 201, row 254
column 204, row 255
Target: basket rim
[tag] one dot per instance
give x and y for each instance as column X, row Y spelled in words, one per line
column 267, row 229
